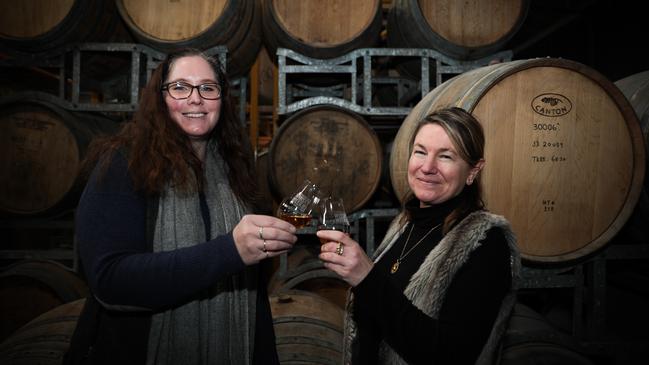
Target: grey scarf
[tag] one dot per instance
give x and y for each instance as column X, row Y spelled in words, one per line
column 218, row 327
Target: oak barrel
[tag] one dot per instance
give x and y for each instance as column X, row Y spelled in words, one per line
column 34, row 26
column 564, row 152
column 530, row 339
column 32, row 287
column 170, row 25
column 459, row 29
column 45, row 339
column 304, row 271
column 42, row 146
column 334, row 148
column 320, row 29
column 308, row 328
column 636, row 90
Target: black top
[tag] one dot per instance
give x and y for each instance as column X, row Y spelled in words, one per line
column 470, row 307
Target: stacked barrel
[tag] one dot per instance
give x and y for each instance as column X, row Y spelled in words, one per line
column 43, row 144
column 566, row 156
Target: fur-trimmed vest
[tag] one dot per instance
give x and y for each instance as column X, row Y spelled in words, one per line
column 427, row 287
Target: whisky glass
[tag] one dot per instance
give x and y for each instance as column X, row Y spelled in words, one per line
column 297, row 208
column 333, row 216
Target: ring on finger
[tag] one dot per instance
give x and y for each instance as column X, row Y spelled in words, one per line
column 261, row 233
column 264, row 249
column 340, row 249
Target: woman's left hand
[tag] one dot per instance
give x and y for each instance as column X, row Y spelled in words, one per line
column 344, row 256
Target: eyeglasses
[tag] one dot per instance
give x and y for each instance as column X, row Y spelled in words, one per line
column 181, row 90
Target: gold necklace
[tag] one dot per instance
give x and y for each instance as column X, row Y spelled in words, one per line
column 395, row 267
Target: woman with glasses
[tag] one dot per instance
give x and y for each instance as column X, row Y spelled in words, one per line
column 165, row 239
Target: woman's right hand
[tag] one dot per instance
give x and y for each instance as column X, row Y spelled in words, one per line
column 344, row 256
column 261, row 236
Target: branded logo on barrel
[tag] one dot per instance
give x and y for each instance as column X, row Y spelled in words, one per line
column 551, row 105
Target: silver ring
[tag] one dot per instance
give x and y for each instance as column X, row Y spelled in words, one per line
column 340, row 249
column 264, row 249
column 261, row 233
column 267, row 255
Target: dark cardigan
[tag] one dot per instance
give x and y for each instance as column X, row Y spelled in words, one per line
column 111, row 207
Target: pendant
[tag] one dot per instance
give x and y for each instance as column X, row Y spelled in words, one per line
column 394, row 267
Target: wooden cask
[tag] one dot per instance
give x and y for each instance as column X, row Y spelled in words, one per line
column 45, row 339
column 459, row 29
column 308, row 328
column 306, row 272
column 171, row 25
column 320, row 29
column 636, row 89
column 42, row 146
column 34, row 26
column 531, row 339
column 564, row 152
column 333, row 148
column 31, row 287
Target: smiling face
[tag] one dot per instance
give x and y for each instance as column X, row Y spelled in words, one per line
column 196, row 116
column 436, row 172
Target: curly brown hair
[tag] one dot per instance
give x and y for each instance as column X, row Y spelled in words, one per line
column 158, row 151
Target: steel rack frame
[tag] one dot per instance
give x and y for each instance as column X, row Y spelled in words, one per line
column 142, row 57
column 291, row 62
